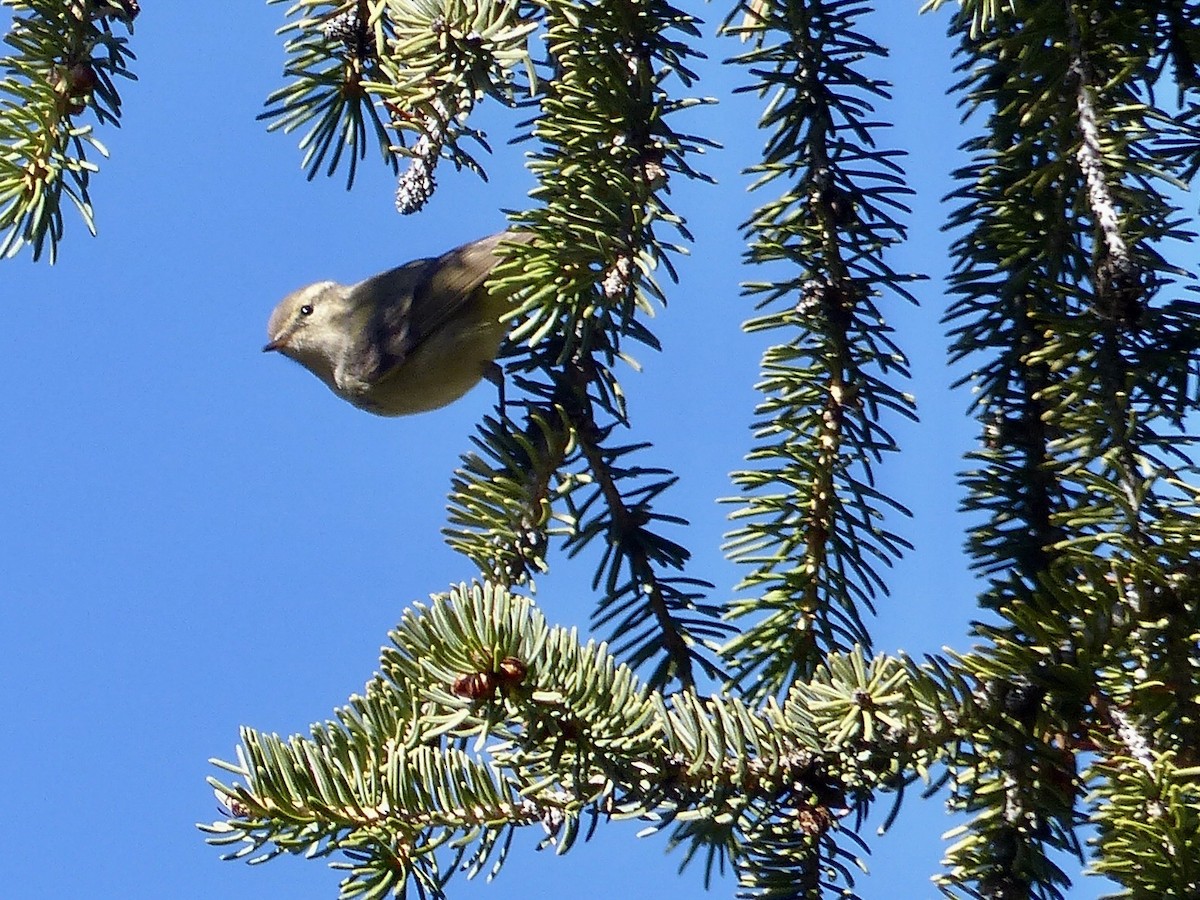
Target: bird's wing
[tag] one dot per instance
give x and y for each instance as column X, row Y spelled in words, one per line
column 383, row 324
column 417, row 299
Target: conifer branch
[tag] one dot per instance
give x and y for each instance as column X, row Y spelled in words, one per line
column 65, row 61
column 563, row 732
column 581, row 284
column 813, row 527
column 1080, row 488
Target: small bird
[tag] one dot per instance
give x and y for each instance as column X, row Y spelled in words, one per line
column 411, row 339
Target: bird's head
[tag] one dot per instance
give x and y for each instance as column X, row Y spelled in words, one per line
column 308, row 322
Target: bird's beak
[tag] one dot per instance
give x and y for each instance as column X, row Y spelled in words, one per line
column 277, row 344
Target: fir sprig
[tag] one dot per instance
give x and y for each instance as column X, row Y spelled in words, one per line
column 583, row 286
column 1084, row 483
column 391, row 70
column 485, row 719
column 64, row 62
column 812, row 522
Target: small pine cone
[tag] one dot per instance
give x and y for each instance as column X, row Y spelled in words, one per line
column 81, row 79
column 342, row 28
column 351, row 32
column 418, row 182
column 73, row 87
column 237, row 809
column 812, row 296
column 512, row 670
column 416, row 186
column 474, row 685
column 617, row 279
column 814, row 821
column 653, row 172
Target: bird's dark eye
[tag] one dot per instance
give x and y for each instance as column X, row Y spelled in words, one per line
column 306, row 309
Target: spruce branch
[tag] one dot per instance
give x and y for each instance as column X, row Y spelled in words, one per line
column 392, row 69
column 503, row 498
column 333, row 50
column 654, row 609
column 1083, row 478
column 64, row 63
column 582, row 285
column 561, row 732
column 446, row 57
column 1157, row 855
column 813, row 529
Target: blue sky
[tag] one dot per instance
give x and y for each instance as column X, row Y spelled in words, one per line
column 196, row 536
